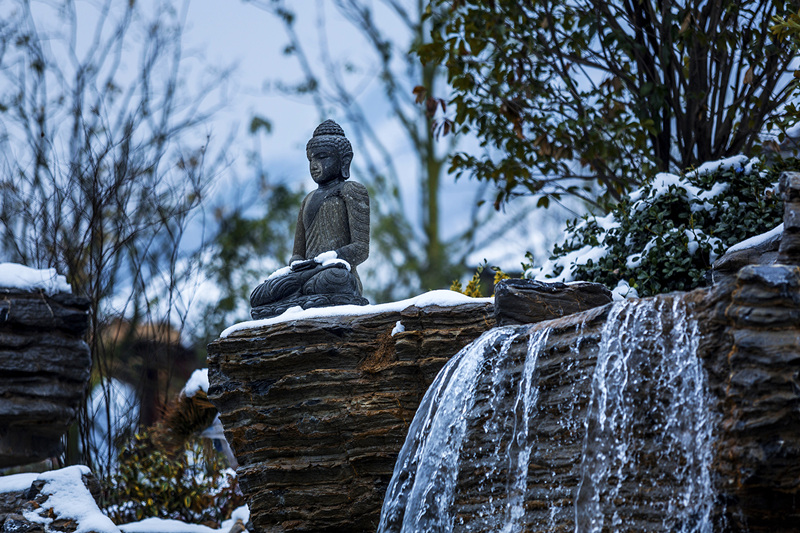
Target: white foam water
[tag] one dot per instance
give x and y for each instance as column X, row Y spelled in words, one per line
column 648, row 421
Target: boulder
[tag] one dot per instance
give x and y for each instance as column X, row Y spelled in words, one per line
column 44, row 372
column 316, row 410
column 525, row 301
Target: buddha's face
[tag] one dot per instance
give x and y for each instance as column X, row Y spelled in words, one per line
column 324, row 163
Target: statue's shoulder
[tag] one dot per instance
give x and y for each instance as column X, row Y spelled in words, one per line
column 355, row 190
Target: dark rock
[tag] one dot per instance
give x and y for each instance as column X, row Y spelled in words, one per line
column 753, row 370
column 16, row 523
column 316, row 410
column 729, row 263
column 789, row 253
column 749, row 346
column 44, row 372
column 524, row 301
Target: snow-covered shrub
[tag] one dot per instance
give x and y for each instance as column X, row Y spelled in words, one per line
column 665, row 236
column 193, row 485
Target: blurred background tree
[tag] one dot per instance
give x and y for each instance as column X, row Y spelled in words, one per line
column 105, row 161
column 584, row 92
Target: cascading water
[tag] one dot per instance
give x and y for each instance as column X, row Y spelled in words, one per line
column 420, row 495
column 649, row 402
column 525, row 431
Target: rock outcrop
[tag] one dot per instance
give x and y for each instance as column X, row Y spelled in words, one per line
column 747, row 352
column 702, row 389
column 751, row 351
column 523, row 301
column 316, row 410
column 44, row 372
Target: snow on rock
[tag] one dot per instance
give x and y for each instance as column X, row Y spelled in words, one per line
column 442, row 298
column 14, row 276
column 398, row 328
column 17, row 482
column 197, row 381
column 623, row 290
column 752, row 242
column 69, row 498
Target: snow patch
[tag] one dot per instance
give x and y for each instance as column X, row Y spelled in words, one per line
column 692, row 244
column 623, row 290
column 69, row 498
column 282, row 271
column 398, row 328
column 17, row 482
column 197, row 381
column 737, row 161
column 163, row 525
column 634, row 260
column 752, row 242
column 14, row 276
column 324, row 259
column 441, row 298
column 568, row 264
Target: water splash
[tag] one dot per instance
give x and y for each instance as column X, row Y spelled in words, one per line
column 647, row 452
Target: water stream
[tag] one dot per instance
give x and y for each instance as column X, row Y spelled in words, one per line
column 640, row 429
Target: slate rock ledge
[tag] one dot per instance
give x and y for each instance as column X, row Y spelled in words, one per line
column 44, row 371
column 316, row 410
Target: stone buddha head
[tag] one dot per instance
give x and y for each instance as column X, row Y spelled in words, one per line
column 329, row 154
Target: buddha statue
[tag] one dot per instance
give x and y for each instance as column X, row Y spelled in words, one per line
column 331, row 239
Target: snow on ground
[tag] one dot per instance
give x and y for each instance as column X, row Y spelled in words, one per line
column 197, row 381
column 69, row 498
column 442, row 298
column 163, row 525
column 14, row 276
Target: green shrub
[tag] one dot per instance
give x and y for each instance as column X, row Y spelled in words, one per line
column 192, row 485
column 665, row 236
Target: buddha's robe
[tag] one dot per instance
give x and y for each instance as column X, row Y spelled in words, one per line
column 336, row 218
column 333, row 218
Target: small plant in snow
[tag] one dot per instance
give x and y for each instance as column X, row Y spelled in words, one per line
column 192, row 484
column 666, row 235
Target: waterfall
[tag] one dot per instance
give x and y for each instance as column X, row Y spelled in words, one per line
column 468, row 460
column 649, row 402
column 420, row 494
